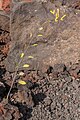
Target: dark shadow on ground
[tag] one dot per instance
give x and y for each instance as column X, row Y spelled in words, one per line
column 2, row 71
column 38, row 98
column 25, row 111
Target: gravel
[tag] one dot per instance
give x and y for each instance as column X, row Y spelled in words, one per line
column 61, row 98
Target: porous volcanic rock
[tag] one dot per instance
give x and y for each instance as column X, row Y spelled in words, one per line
column 57, row 42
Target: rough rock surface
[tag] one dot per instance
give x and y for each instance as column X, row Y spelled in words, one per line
column 50, row 95
column 4, row 22
column 60, row 41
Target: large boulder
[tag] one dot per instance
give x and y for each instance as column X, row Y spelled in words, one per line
column 56, row 42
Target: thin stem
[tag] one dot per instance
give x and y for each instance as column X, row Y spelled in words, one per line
column 16, row 70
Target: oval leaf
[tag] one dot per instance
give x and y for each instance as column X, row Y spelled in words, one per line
column 22, row 55
column 34, row 45
column 22, row 82
column 21, row 73
column 30, row 57
column 40, row 35
column 41, row 28
column 25, row 65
